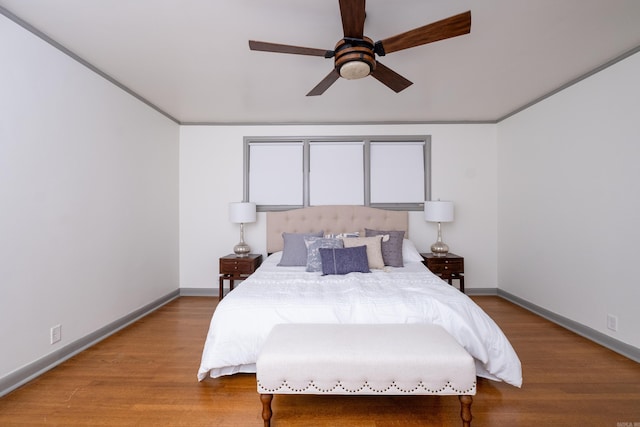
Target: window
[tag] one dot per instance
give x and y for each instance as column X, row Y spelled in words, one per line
column 336, row 173
column 397, row 172
column 389, row 172
column 276, row 173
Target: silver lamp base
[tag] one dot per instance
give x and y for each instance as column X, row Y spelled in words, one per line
column 439, row 248
column 242, row 249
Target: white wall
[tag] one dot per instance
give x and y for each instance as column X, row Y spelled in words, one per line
column 211, row 176
column 88, row 200
column 569, row 201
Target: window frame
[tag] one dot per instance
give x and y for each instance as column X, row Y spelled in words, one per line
column 366, row 140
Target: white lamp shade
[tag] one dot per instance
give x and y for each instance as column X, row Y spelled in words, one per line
column 242, row 212
column 438, row 211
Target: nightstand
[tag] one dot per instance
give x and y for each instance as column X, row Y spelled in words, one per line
column 448, row 267
column 233, row 267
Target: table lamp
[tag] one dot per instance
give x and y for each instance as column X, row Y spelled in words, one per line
column 439, row 211
column 242, row 212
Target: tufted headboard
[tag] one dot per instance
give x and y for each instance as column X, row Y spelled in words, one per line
column 332, row 219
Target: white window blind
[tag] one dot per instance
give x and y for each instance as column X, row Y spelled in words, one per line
column 336, row 173
column 276, row 173
column 397, row 172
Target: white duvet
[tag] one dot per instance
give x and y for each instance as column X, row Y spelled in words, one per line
column 272, row 295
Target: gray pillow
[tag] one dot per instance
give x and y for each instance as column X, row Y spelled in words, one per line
column 314, row 263
column 294, row 253
column 345, row 260
column 392, row 248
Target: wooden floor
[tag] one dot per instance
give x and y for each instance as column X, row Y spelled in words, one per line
column 145, row 375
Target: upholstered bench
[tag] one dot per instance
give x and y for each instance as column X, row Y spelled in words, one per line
column 391, row 359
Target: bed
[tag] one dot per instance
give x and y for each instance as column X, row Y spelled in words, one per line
column 409, row 293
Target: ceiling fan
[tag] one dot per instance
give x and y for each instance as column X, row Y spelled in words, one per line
column 355, row 54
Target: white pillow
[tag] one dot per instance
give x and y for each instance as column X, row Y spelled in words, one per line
column 409, row 252
column 374, row 248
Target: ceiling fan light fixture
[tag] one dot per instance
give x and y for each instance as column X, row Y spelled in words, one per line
column 354, row 58
column 355, row 70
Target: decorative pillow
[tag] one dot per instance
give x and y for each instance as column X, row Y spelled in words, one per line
column 295, row 251
column 374, row 249
column 392, row 248
column 409, row 252
column 345, row 260
column 314, row 263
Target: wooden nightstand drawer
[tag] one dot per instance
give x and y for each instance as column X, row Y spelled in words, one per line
column 232, row 266
column 446, row 266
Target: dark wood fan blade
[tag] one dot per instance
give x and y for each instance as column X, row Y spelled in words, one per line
column 353, row 14
column 390, row 78
column 325, row 83
column 450, row 27
column 285, row 48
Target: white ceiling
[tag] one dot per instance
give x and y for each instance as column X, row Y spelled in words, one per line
column 191, row 59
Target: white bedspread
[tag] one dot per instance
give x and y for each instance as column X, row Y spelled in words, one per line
column 412, row 294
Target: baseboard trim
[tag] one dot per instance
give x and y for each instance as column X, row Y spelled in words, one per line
column 199, row 292
column 613, row 344
column 210, row 292
column 27, row 373
column 481, row 291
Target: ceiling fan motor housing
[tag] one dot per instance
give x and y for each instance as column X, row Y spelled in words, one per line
column 355, row 58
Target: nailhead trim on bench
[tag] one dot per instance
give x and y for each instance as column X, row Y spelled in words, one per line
column 311, row 386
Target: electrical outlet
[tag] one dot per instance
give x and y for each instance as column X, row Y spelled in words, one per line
column 56, row 334
column 612, row 322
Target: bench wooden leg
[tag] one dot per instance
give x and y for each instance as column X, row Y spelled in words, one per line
column 465, row 409
column 266, row 408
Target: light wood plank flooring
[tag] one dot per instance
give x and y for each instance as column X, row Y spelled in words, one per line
column 145, row 375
